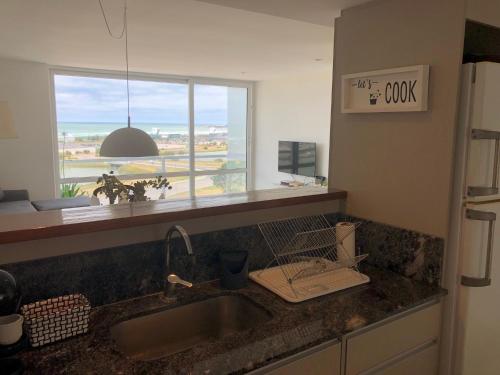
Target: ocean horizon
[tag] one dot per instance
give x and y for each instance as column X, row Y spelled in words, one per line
column 88, row 129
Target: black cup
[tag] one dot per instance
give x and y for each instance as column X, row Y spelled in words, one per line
column 234, row 269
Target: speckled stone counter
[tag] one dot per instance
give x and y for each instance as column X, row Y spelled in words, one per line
column 293, row 328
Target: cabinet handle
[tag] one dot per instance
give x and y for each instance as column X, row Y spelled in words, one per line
column 490, row 217
column 478, row 191
column 485, row 134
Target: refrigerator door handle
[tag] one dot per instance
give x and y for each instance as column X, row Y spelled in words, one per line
column 478, row 191
column 491, row 218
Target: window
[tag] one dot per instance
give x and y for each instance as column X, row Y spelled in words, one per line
column 218, row 172
column 203, row 145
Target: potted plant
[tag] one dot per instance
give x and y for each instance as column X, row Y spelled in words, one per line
column 113, row 188
column 70, row 191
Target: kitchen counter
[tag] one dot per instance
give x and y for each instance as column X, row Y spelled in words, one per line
column 293, row 328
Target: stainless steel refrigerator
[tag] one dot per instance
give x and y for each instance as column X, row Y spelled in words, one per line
column 474, row 242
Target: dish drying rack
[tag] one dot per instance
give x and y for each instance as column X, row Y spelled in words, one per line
column 311, row 259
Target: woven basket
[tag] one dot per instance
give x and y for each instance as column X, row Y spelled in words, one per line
column 56, row 319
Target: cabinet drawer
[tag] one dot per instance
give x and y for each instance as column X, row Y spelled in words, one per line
column 425, row 362
column 370, row 348
column 324, row 362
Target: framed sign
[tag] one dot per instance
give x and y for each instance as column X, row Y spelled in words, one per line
column 390, row 90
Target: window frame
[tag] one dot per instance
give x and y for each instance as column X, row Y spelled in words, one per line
column 191, row 81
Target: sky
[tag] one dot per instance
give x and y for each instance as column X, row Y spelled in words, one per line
column 90, row 99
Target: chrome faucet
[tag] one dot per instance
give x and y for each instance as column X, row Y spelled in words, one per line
column 171, row 279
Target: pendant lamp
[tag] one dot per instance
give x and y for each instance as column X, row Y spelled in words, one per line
column 129, row 141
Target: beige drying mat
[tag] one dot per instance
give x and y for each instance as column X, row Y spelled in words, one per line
column 308, row 287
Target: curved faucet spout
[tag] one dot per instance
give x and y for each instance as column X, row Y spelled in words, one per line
column 182, row 232
column 171, row 279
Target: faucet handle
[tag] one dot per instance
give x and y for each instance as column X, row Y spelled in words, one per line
column 174, row 279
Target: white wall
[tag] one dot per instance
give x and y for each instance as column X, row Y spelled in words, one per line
column 397, row 167
column 295, row 109
column 27, row 161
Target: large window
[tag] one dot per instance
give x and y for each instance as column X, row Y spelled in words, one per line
column 200, row 128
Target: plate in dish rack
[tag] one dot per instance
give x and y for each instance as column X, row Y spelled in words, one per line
column 308, row 287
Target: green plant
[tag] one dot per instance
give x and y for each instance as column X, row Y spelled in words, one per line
column 113, row 188
column 70, row 190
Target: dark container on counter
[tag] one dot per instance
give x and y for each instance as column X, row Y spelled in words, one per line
column 234, row 269
column 10, row 297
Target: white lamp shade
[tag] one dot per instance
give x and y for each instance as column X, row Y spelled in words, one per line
column 128, row 142
column 6, row 125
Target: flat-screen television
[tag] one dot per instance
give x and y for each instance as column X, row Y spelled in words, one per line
column 297, row 158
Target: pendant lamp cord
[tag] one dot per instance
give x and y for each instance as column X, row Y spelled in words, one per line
column 122, row 33
column 126, row 61
column 107, row 23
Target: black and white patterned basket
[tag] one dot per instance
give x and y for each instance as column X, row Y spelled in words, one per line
column 56, row 319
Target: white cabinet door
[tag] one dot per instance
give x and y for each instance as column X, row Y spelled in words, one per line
column 425, row 362
column 486, row 100
column 478, row 329
column 483, row 114
column 367, row 351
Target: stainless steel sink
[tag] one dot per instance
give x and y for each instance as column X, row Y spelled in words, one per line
column 170, row 331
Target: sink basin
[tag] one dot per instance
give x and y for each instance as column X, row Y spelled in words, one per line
column 170, row 331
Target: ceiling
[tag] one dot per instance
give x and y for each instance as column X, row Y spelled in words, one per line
column 182, row 37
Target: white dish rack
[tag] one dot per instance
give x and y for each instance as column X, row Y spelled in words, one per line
column 311, row 259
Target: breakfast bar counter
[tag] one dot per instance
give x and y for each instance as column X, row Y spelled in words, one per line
column 57, row 223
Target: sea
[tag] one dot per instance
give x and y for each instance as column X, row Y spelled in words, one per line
column 86, row 129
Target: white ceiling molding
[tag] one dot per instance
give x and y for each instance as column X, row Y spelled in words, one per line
column 320, row 12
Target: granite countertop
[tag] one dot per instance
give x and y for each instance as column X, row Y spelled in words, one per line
column 292, row 329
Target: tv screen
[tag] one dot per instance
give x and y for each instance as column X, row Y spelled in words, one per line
column 297, row 158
